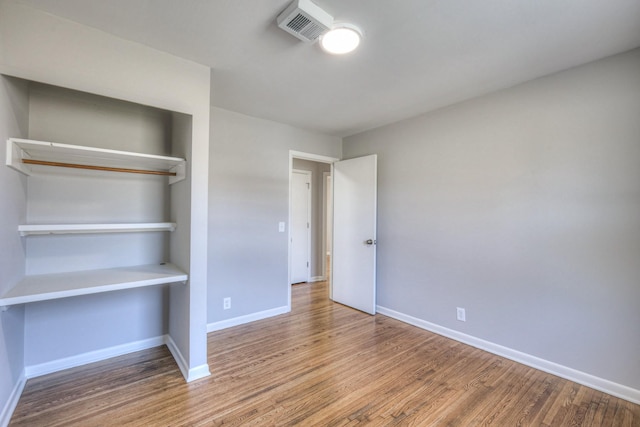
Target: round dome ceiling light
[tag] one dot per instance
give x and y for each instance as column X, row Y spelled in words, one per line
column 341, row 39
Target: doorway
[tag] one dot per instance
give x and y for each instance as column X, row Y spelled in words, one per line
column 352, row 281
column 308, row 220
column 319, row 168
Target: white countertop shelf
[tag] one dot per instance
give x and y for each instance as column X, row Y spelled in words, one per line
column 20, row 151
column 48, row 229
column 44, row 287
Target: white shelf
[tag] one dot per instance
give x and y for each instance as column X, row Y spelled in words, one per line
column 27, row 149
column 44, row 287
column 48, row 229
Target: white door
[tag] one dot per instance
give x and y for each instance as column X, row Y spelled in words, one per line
column 354, row 233
column 300, row 225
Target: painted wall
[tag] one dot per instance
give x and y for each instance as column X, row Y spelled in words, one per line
column 248, row 196
column 65, row 328
column 523, row 207
column 43, row 48
column 181, row 129
column 13, row 211
column 317, row 213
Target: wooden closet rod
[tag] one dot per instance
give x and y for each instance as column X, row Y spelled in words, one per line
column 98, row 168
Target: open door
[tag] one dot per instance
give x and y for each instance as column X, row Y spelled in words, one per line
column 354, row 233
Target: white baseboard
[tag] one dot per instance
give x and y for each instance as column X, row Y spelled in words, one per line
column 33, row 371
column 12, row 402
column 241, row 320
column 107, row 353
column 317, row 279
column 188, row 374
column 609, row 387
column 198, row 372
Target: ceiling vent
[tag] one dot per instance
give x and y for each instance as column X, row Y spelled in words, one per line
column 305, row 20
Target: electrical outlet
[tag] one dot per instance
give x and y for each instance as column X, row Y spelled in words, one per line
column 226, row 303
column 461, row 314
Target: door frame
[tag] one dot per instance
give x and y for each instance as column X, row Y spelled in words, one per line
column 309, row 175
column 327, row 229
column 293, row 154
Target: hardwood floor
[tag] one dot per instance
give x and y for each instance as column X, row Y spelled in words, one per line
column 323, row 364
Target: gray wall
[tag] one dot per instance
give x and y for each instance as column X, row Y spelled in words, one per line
column 63, row 328
column 248, row 196
column 179, row 239
column 317, row 212
column 523, row 207
column 13, row 211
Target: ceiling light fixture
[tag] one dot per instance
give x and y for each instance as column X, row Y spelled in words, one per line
column 342, row 38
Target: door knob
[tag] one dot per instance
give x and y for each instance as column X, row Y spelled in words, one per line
column 370, row 242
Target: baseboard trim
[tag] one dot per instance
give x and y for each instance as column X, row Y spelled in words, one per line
column 189, row 375
column 33, row 371
column 12, row 402
column 241, row 320
column 317, row 279
column 601, row 384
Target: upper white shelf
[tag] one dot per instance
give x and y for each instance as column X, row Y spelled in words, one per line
column 46, row 229
column 22, row 153
column 44, row 287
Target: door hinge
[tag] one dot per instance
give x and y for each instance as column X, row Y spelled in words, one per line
column 307, row 264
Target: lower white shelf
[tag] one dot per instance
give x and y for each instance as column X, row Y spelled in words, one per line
column 44, row 287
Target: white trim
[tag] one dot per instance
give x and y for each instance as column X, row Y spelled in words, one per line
column 317, row 279
column 189, row 375
column 312, row 157
column 327, row 193
column 198, row 372
column 601, row 384
column 241, row 320
column 333, row 236
column 177, row 356
column 12, row 401
column 33, row 371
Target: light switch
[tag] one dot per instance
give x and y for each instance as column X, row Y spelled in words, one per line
column 281, row 226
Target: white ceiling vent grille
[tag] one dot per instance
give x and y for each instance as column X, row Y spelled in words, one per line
column 305, row 20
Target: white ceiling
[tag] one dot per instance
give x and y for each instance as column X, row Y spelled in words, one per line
column 417, row 55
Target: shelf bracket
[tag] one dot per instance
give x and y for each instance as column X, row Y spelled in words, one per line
column 179, row 172
column 4, row 308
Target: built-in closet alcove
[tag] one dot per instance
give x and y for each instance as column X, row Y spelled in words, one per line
column 105, row 234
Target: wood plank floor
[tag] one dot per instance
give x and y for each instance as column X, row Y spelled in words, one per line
column 323, row 364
